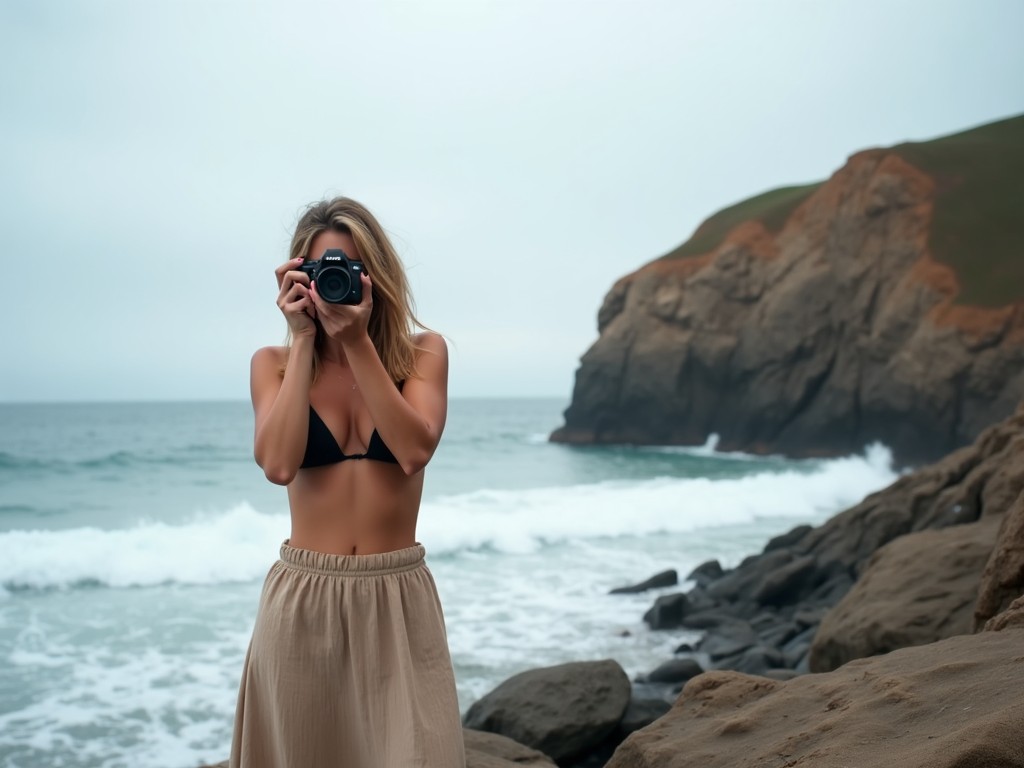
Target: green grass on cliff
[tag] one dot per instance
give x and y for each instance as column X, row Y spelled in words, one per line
column 770, row 208
column 978, row 222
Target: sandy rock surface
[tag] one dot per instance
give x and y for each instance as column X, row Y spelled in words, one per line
column 917, row 589
column 952, row 704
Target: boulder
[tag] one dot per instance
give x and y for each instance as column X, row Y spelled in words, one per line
column 667, row 578
column 668, row 611
column 787, row 584
column 563, row 711
column 1011, row 617
column 674, row 671
column 491, row 750
column 917, row 589
column 640, row 713
column 951, row 704
column 1003, row 578
column 705, row 573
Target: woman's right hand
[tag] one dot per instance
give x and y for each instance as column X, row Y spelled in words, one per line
column 294, row 300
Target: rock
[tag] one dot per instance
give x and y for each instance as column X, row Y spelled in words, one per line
column 707, row 619
column 755, row 660
column 674, row 671
column 705, row 573
column 779, row 634
column 667, row 612
column 667, row 578
column 950, row 704
column 730, row 640
column 780, row 674
column 786, row 584
column 1011, row 617
column 1003, row 577
column 640, row 713
column 748, row 576
column 816, row 321
column 917, row 589
column 563, row 711
column 491, row 750
column 788, row 539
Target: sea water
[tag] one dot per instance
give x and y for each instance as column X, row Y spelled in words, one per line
column 134, row 538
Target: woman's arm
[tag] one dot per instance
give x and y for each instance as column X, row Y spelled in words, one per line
column 409, row 422
column 281, row 406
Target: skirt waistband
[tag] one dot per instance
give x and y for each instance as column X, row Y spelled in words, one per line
column 327, row 564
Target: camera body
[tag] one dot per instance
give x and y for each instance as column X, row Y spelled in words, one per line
column 338, row 279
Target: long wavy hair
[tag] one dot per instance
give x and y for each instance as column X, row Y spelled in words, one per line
column 393, row 319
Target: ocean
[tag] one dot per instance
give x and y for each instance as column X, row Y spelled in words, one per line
column 134, row 539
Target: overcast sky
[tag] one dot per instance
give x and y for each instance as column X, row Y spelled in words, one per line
column 154, row 157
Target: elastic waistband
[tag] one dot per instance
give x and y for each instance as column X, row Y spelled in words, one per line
column 352, row 565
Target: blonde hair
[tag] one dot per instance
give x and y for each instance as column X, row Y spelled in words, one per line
column 392, row 319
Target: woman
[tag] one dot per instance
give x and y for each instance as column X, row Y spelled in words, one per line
column 348, row 666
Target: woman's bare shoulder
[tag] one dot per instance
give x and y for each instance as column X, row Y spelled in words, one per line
column 276, row 356
column 431, row 341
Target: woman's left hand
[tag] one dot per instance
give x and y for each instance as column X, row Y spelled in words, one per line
column 345, row 322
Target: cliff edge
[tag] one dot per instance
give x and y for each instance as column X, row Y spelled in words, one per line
column 885, row 304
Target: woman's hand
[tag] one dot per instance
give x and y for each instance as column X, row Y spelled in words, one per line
column 345, row 322
column 294, row 298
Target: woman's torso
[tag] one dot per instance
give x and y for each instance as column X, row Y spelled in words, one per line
column 358, row 505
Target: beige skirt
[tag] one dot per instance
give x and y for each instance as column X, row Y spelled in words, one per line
column 348, row 667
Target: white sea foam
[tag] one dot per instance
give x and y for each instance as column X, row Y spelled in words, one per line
column 237, row 545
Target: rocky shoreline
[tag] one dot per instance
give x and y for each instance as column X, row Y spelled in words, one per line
column 893, row 634
column 931, row 567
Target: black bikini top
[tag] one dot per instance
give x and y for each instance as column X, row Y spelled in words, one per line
column 323, row 449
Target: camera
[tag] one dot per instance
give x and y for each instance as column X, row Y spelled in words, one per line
column 337, row 278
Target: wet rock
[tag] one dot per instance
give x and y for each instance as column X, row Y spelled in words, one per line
column 668, row 611
column 705, row 573
column 564, row 711
column 667, row 578
column 674, row 671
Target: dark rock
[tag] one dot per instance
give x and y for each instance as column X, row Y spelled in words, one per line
column 789, row 538
column 564, row 711
column 748, row 575
column 705, row 573
column 779, row 634
column 786, row 584
column 700, row 600
column 642, row 712
column 809, row 617
column 763, row 621
column 667, row 612
column 753, row 661
column 917, row 589
column 685, row 648
column 666, row 692
column 667, row 578
column 707, row 619
column 674, row 671
column 729, row 640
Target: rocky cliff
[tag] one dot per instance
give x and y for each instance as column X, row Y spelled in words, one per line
column 885, row 304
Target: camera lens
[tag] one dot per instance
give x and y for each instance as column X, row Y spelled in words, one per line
column 333, row 284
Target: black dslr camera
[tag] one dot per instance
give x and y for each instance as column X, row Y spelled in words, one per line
column 337, row 278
